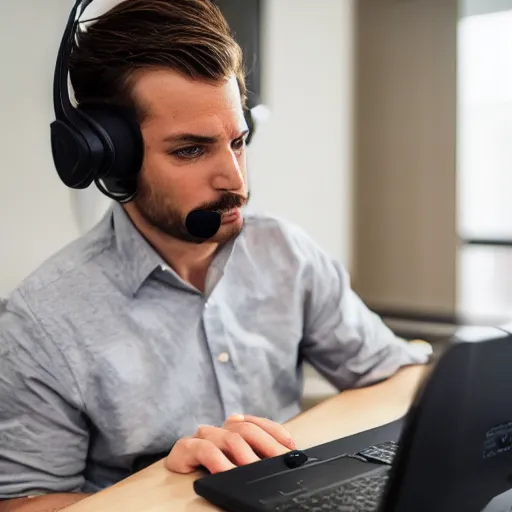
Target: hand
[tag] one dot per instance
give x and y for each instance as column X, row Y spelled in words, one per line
column 241, row 440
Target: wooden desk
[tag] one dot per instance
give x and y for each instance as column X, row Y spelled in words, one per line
column 156, row 490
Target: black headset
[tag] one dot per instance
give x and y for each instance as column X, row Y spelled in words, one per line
column 99, row 143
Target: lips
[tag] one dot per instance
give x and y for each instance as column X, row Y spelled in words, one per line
column 230, row 216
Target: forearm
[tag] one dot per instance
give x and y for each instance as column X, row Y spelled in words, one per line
column 47, row 503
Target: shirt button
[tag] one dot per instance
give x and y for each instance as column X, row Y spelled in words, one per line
column 223, row 357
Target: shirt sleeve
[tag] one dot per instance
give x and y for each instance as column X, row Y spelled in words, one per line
column 43, row 434
column 342, row 338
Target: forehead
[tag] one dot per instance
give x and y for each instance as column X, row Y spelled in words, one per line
column 181, row 104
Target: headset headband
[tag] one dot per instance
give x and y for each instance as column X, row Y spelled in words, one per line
column 61, row 97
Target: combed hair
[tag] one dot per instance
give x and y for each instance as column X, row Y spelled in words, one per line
column 190, row 37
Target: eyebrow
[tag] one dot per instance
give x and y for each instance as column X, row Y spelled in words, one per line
column 198, row 139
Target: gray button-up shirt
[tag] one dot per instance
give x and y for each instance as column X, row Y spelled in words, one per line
column 107, row 356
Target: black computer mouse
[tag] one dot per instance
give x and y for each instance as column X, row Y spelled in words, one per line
column 295, row 459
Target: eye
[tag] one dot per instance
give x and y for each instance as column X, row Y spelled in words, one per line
column 238, row 144
column 189, row 152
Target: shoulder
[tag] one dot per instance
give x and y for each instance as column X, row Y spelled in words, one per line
column 56, row 285
column 43, row 312
column 288, row 250
column 280, row 236
column 62, row 275
column 69, row 263
column 266, row 227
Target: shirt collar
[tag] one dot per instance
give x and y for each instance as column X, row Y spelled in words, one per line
column 137, row 258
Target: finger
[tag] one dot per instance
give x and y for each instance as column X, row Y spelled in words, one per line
column 260, row 441
column 190, row 453
column 277, row 431
column 231, row 443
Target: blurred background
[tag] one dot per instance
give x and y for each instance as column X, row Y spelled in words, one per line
column 388, row 138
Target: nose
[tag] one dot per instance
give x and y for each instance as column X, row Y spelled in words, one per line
column 230, row 172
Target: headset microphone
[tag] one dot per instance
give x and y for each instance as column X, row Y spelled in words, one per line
column 203, row 224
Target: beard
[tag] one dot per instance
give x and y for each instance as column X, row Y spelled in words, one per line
column 158, row 210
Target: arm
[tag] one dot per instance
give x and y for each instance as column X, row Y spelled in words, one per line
column 43, row 433
column 345, row 341
column 48, row 503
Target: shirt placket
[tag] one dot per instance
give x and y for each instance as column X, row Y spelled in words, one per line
column 223, row 357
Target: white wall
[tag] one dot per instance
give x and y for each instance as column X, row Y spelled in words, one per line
column 300, row 161
column 35, row 216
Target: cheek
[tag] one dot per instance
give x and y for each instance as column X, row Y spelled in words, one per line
column 182, row 184
column 159, row 172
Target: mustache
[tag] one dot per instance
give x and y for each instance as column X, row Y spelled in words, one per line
column 226, row 202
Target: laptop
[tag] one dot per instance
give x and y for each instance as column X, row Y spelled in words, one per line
column 452, row 452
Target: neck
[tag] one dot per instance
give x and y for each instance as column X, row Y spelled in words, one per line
column 190, row 261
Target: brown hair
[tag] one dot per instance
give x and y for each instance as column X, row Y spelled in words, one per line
column 188, row 36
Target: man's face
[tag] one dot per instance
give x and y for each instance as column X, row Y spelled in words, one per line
column 194, row 138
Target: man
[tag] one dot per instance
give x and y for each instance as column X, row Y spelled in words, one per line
column 136, row 342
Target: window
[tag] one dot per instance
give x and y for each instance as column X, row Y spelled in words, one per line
column 485, row 159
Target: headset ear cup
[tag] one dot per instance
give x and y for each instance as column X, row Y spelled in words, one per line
column 77, row 153
column 124, row 146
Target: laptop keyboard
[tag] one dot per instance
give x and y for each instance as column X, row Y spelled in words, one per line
column 360, row 494
column 383, row 453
